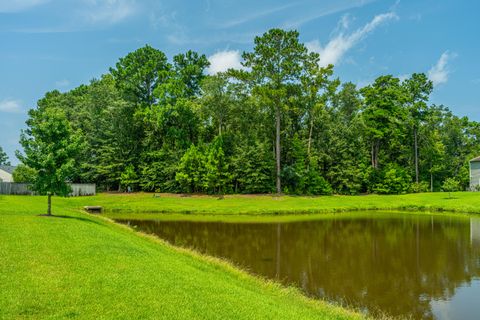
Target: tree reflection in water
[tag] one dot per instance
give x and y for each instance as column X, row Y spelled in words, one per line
column 393, row 263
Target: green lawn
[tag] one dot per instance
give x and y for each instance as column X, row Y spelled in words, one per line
column 467, row 202
column 85, row 267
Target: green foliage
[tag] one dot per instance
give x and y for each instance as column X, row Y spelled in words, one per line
column 316, row 184
column 217, row 176
column 50, row 147
column 204, row 170
column 277, row 63
column 419, row 187
column 3, row 158
column 24, row 174
column 393, row 180
column 191, row 170
column 129, row 178
column 173, row 126
column 451, row 185
column 139, row 73
column 158, row 171
column 189, row 69
column 253, row 168
column 281, row 124
column 384, row 115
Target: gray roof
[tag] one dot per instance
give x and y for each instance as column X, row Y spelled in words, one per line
column 8, row 169
column 477, row 159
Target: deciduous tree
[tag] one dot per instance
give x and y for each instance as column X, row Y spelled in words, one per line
column 50, row 147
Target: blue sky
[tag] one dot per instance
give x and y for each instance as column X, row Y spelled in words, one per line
column 53, row 44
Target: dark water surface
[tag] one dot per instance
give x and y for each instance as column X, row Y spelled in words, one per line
column 419, row 266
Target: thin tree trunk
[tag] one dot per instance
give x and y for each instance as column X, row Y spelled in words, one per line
column 310, row 137
column 375, row 150
column 372, row 154
column 277, row 149
column 431, row 182
column 279, row 239
column 49, row 208
column 431, row 178
column 416, row 153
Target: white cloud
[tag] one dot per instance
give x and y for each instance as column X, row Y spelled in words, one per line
column 403, row 77
column 439, row 73
column 256, row 15
column 224, row 60
column 344, row 22
column 10, row 106
column 340, row 44
column 19, row 5
column 62, row 83
column 315, row 12
column 109, row 11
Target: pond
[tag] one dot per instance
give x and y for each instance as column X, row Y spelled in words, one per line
column 400, row 264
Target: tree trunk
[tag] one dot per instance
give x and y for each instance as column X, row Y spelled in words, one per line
column 372, row 156
column 375, row 150
column 310, row 137
column 49, row 207
column 431, row 182
column 277, row 149
column 415, row 138
column 277, row 262
column 431, row 178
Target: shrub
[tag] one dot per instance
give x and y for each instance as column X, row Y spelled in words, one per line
column 450, row 185
column 393, row 180
column 420, row 187
column 23, row 173
column 317, row 185
column 129, row 178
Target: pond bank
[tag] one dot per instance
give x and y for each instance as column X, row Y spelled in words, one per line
column 465, row 202
column 82, row 266
column 430, row 259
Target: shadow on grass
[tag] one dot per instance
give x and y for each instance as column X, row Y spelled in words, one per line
column 69, row 217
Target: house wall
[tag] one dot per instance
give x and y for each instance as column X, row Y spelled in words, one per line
column 474, row 174
column 5, row 176
column 475, row 231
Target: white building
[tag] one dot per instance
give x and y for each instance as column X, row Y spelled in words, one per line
column 6, row 173
column 475, row 174
column 475, row 231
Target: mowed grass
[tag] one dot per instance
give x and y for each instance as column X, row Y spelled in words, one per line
column 465, row 202
column 84, row 267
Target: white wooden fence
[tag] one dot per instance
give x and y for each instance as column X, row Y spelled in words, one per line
column 78, row 189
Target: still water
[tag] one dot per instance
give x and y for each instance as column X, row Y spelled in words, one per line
column 418, row 266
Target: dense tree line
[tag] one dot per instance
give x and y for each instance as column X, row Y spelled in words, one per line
column 281, row 124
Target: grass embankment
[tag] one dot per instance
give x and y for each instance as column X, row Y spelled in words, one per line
column 465, row 202
column 81, row 266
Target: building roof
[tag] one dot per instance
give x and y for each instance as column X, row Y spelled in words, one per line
column 8, row 169
column 477, row 159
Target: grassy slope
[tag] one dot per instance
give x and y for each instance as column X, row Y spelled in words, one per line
column 79, row 266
